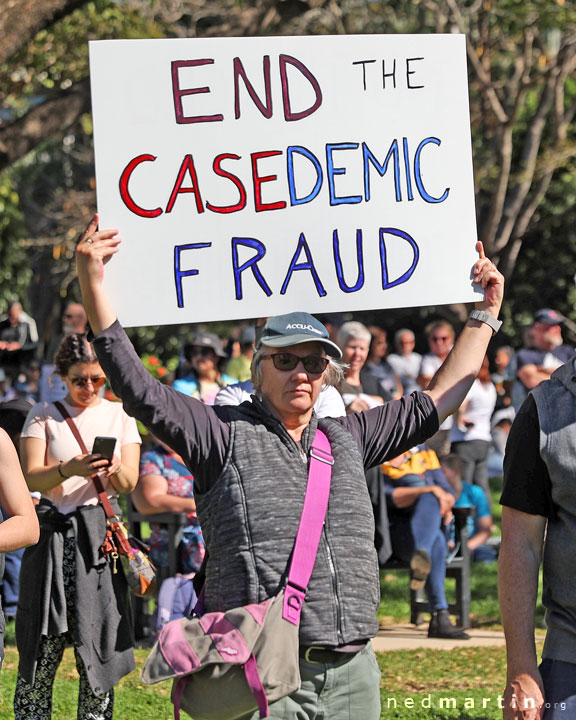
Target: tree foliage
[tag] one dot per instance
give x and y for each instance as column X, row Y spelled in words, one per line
column 14, row 270
column 522, row 62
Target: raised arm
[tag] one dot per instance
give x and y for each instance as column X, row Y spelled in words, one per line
column 518, row 564
column 451, row 384
column 21, row 527
column 191, row 428
column 95, row 248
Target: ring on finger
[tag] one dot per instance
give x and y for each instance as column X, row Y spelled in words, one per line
column 89, row 240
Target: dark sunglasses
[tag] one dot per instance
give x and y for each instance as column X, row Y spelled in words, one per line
column 441, row 338
column 81, row 382
column 313, row 364
column 202, row 351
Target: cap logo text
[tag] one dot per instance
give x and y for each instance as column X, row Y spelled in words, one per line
column 300, row 326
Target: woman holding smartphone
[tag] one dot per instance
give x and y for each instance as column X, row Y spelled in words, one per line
column 69, row 592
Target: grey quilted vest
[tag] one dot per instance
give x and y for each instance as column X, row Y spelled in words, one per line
column 250, row 518
column 556, row 405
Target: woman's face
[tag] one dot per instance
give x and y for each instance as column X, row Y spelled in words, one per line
column 204, row 360
column 84, row 381
column 354, row 353
column 291, row 392
column 379, row 345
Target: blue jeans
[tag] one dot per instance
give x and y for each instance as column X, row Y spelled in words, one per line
column 559, row 680
column 419, row 527
column 485, row 554
column 9, row 584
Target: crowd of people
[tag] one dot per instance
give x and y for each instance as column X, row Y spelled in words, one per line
column 414, row 429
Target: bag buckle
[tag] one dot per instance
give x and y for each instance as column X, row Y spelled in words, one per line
column 293, row 602
column 319, row 454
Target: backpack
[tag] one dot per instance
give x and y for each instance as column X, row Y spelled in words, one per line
column 176, row 599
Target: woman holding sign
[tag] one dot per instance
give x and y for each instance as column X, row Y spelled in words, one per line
column 259, row 452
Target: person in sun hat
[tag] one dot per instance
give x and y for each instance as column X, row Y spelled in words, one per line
column 250, row 467
column 204, row 354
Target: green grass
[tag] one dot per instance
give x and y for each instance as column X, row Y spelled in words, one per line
column 442, row 684
column 395, row 596
column 133, row 699
column 459, row 684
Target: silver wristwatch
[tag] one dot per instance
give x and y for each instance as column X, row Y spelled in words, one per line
column 486, row 318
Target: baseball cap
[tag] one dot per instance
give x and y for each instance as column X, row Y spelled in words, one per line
column 248, row 335
column 295, row 328
column 549, row 317
column 208, row 340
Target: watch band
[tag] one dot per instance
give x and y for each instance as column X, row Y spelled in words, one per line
column 484, row 317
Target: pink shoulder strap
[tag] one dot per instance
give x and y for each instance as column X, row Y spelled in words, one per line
column 310, row 528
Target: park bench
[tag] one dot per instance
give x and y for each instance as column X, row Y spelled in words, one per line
column 457, row 567
column 174, row 522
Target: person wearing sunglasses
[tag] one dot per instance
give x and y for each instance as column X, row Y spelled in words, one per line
column 69, row 593
column 440, row 335
column 204, row 355
column 250, row 467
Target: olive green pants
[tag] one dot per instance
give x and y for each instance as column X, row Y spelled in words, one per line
column 348, row 690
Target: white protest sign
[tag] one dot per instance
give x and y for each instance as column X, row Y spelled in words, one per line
column 251, row 177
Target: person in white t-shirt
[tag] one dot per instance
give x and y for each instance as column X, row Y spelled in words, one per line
column 328, row 404
column 471, row 435
column 82, row 598
column 405, row 361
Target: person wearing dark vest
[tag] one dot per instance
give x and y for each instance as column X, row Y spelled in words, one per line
column 539, row 499
column 250, row 467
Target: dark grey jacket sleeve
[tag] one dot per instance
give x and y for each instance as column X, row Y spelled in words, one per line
column 186, row 425
column 386, row 431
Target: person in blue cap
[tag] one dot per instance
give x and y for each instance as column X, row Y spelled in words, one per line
column 548, row 352
column 250, row 467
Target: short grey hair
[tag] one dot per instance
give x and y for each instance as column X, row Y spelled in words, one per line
column 403, row 331
column 353, row 331
column 334, row 373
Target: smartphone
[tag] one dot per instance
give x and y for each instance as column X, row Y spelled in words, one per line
column 104, row 446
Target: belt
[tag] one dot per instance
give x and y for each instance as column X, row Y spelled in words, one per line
column 325, row 656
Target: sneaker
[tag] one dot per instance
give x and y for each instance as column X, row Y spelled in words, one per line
column 441, row 627
column 420, row 565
